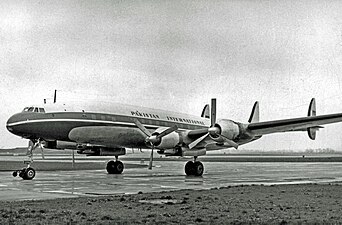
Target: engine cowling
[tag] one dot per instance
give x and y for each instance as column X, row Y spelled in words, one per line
column 228, row 129
column 169, row 141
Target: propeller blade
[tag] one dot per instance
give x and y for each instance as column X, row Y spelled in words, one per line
column 213, row 112
column 230, row 142
column 151, row 159
column 167, row 131
column 197, row 141
column 142, row 128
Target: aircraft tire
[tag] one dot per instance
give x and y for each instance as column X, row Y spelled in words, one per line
column 189, row 168
column 198, row 168
column 115, row 167
column 29, row 174
column 15, row 173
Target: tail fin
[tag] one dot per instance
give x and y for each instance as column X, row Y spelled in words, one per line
column 205, row 112
column 312, row 108
column 254, row 117
column 312, row 112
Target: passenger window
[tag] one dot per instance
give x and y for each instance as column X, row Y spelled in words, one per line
column 113, row 118
column 41, row 110
column 30, row 109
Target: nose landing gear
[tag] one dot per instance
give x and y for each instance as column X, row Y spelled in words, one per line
column 25, row 173
column 28, row 173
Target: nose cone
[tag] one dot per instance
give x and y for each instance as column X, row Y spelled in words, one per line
column 12, row 123
column 9, row 124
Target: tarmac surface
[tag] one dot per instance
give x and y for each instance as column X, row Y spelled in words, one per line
column 165, row 176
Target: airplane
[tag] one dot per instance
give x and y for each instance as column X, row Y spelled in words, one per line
column 96, row 132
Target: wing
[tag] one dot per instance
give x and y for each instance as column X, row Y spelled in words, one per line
column 295, row 124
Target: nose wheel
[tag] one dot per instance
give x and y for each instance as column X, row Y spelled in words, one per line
column 25, row 173
column 194, row 168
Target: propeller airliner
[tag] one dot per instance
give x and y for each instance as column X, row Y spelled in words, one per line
column 109, row 133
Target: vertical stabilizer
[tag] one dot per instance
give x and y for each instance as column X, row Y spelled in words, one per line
column 205, row 112
column 312, row 112
column 254, row 117
column 55, row 97
column 312, row 108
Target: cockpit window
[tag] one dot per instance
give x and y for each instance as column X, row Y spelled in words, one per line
column 34, row 109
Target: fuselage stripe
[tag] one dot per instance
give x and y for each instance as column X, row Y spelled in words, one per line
column 88, row 121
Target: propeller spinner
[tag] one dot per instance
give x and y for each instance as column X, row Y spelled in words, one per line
column 213, row 131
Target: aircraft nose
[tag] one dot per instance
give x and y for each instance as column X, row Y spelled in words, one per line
column 9, row 124
column 12, row 122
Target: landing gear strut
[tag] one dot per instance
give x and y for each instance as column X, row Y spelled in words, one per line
column 28, row 173
column 194, row 168
column 115, row 167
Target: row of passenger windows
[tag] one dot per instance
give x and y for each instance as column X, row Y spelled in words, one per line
column 143, row 121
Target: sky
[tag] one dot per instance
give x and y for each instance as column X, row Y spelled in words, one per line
column 177, row 55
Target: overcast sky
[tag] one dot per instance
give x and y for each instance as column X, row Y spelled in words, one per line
column 176, row 55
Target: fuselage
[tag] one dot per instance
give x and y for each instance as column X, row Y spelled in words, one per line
column 56, row 125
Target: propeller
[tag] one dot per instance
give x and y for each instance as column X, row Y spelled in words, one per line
column 213, row 130
column 153, row 139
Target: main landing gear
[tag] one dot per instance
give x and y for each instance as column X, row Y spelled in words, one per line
column 194, row 168
column 115, row 167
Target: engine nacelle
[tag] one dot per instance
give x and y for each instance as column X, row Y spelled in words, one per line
column 177, row 151
column 228, row 128
column 169, row 141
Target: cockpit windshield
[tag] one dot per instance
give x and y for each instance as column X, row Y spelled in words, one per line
column 34, row 109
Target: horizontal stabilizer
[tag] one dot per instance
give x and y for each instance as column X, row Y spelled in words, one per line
column 313, row 128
